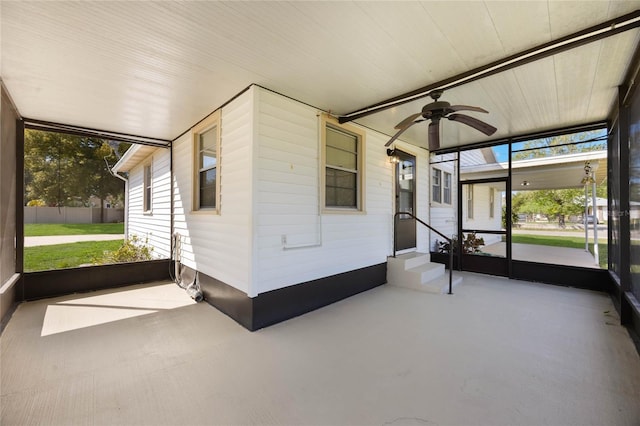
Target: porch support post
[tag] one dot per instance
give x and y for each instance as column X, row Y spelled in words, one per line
column 595, row 219
column 586, row 215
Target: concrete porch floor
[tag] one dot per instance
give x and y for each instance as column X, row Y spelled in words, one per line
column 497, row 352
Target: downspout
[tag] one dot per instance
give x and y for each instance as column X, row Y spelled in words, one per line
column 586, row 215
column 126, row 198
column 596, row 253
column 171, row 204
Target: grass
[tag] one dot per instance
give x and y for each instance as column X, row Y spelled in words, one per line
column 41, row 229
column 549, row 240
column 59, row 256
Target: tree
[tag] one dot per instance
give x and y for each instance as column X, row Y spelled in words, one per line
column 65, row 170
column 48, row 167
column 594, row 140
column 557, row 203
column 93, row 176
column 560, row 202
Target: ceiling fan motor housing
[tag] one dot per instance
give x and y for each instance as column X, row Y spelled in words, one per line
column 435, row 106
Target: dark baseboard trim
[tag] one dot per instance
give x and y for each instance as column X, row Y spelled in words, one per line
column 227, row 299
column 489, row 265
column 630, row 317
column 285, row 303
column 562, row 275
column 279, row 305
column 616, row 291
column 43, row 284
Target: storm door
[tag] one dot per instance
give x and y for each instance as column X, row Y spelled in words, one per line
column 484, row 237
column 405, row 200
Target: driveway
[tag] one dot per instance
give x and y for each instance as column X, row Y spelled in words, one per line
column 567, row 232
column 64, row 239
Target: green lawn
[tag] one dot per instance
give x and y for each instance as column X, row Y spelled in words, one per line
column 58, row 256
column 549, row 240
column 41, row 229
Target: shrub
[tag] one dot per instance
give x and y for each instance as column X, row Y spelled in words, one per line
column 470, row 244
column 132, row 250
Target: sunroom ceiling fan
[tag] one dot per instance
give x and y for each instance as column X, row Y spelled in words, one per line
column 437, row 110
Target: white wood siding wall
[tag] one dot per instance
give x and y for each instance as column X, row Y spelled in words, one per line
column 481, row 219
column 288, row 203
column 219, row 245
column 443, row 216
column 270, row 232
column 154, row 227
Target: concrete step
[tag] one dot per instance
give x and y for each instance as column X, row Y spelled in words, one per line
column 427, row 272
column 416, row 271
column 411, row 259
column 441, row 284
column 410, row 267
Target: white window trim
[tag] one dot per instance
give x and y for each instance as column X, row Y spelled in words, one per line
column 444, row 187
column 207, row 124
column 433, row 170
column 326, row 120
column 492, row 202
column 470, row 201
column 145, row 197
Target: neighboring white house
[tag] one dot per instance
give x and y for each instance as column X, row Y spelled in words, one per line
column 481, row 202
column 272, row 194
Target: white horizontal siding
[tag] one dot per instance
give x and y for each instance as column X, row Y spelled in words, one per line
column 443, row 216
column 219, row 245
column 481, row 217
column 152, row 228
column 270, row 176
column 444, row 220
column 287, row 201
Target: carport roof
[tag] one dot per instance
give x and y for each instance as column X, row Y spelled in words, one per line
column 554, row 172
column 154, row 69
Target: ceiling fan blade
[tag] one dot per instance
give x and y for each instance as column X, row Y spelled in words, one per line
column 479, row 125
column 392, row 140
column 467, row 108
column 434, row 135
column 407, row 121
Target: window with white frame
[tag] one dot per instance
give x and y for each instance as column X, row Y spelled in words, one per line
column 146, row 194
column 446, row 188
column 470, row 201
column 343, row 163
column 436, row 185
column 206, row 140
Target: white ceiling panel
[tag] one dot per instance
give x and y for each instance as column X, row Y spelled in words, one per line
column 156, row 68
column 613, row 56
column 575, row 74
column 470, row 31
column 523, row 23
column 563, row 15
